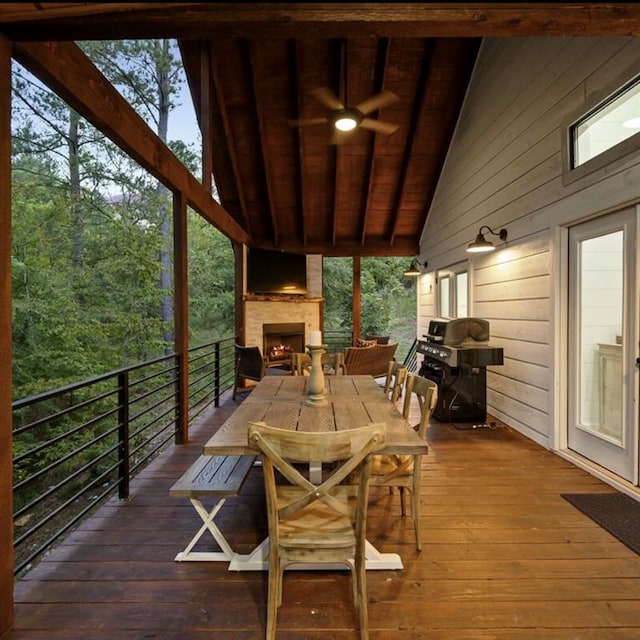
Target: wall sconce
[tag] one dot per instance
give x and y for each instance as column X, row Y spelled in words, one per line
column 415, row 268
column 482, row 245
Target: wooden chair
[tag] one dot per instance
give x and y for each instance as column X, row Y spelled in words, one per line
column 404, row 471
column 300, row 364
column 310, row 523
column 250, row 365
column 332, row 364
column 396, row 376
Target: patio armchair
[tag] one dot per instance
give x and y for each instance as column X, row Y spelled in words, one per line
column 372, row 360
column 250, row 365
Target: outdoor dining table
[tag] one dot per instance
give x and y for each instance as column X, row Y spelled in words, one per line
column 282, row 401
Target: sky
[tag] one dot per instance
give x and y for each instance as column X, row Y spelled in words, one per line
column 182, row 121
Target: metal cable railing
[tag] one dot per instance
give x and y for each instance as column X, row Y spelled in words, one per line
column 78, row 445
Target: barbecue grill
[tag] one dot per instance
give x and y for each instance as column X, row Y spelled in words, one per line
column 456, row 356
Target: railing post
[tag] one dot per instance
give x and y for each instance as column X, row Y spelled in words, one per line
column 123, row 435
column 216, row 374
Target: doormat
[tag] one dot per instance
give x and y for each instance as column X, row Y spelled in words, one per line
column 618, row 513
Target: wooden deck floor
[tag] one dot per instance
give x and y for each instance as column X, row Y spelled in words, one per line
column 504, row 557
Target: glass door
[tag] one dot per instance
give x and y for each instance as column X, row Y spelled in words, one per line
column 603, row 343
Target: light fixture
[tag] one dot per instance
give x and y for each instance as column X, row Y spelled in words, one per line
column 632, row 123
column 347, row 119
column 415, row 268
column 482, row 245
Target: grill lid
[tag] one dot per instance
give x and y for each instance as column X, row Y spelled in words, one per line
column 458, row 331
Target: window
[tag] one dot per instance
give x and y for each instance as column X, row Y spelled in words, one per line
column 607, row 125
column 452, row 294
column 444, row 290
column 462, row 306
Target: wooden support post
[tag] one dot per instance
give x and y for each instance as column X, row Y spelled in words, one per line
column 6, row 460
column 181, row 314
column 356, row 305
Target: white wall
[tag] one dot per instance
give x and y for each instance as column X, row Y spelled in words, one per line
column 505, row 169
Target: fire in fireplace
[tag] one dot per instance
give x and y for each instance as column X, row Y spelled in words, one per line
column 282, row 339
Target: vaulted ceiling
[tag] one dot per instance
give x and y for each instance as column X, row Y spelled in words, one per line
column 252, row 68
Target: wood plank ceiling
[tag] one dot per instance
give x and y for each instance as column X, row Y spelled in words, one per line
column 251, row 68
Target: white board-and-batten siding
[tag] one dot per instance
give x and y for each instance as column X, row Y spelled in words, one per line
column 506, row 168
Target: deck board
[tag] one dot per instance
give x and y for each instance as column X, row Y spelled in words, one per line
column 504, row 558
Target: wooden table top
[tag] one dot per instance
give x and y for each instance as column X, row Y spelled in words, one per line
column 352, row 401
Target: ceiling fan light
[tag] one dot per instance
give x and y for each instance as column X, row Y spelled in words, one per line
column 346, row 119
column 345, row 123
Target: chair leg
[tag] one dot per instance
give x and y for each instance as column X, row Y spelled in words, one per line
column 403, row 509
column 274, row 596
column 360, row 579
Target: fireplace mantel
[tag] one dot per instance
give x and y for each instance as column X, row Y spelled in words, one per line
column 280, row 297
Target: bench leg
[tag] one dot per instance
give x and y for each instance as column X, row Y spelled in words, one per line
column 207, row 517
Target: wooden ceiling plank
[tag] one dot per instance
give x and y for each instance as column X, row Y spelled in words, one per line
column 65, row 69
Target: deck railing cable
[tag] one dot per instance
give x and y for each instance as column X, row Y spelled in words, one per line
column 78, row 445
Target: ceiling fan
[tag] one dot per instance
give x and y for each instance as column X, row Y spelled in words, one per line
column 344, row 120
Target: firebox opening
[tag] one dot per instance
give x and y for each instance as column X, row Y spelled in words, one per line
column 282, row 339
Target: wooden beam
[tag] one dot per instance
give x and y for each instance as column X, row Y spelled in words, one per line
column 228, row 145
column 257, row 72
column 376, row 247
column 6, row 420
column 416, row 113
column 208, row 20
column 296, row 53
column 205, row 116
column 381, row 69
column 66, row 70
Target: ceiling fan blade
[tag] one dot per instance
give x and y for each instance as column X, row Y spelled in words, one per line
column 327, row 97
column 387, row 128
column 378, row 101
column 306, row 121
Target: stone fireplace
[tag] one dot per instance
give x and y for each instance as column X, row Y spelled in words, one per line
column 282, row 318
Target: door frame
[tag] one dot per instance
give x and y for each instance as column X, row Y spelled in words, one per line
column 559, row 244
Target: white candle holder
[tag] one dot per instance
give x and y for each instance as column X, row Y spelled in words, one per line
column 315, row 385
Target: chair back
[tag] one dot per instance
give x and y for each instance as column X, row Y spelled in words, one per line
column 281, row 449
column 373, row 360
column 249, row 362
column 426, row 393
column 378, row 339
column 396, row 376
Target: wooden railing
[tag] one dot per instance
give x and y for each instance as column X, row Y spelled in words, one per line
column 75, row 446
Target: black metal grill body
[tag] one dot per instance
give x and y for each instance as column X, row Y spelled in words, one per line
column 456, row 356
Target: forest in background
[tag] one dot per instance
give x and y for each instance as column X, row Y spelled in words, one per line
column 92, row 239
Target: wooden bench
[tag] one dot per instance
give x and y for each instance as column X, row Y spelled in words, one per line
column 218, row 477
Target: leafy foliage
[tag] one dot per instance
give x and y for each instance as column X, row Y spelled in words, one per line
column 91, row 288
